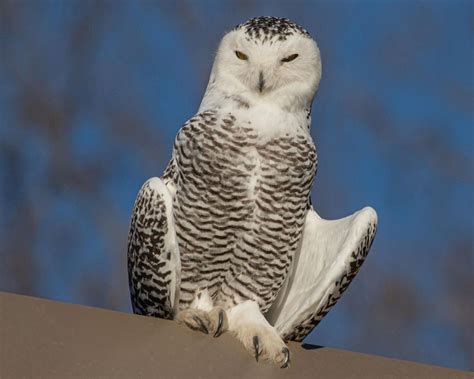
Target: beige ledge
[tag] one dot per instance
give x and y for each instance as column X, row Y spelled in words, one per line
column 41, row 338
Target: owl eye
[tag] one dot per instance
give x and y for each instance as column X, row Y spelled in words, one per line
column 290, row 58
column 241, row 55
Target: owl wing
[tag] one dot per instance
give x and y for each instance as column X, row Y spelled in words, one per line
column 330, row 255
column 154, row 266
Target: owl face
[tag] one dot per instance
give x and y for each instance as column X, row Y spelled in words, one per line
column 270, row 59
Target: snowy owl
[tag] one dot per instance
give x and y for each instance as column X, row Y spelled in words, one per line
column 227, row 238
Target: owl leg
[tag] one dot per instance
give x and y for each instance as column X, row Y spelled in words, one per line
column 202, row 315
column 248, row 324
column 154, row 265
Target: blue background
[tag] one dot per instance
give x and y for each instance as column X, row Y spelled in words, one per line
column 93, row 93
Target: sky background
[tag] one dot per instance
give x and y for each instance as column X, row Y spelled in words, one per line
column 93, row 93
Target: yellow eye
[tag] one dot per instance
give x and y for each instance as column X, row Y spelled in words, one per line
column 241, row 55
column 290, row 58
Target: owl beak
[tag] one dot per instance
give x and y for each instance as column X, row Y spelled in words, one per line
column 261, row 82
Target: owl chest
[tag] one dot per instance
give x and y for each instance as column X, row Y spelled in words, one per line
column 234, row 163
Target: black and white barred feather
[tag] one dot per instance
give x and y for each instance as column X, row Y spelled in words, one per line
column 240, row 207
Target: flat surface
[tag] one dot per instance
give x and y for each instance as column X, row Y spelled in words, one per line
column 41, row 338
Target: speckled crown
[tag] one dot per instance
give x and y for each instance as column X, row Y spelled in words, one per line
column 270, row 28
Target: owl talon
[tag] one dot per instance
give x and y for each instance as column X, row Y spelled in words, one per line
column 286, row 362
column 201, row 325
column 220, row 323
column 256, row 347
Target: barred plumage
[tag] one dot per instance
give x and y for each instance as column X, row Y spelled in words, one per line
column 240, row 207
column 153, row 257
column 227, row 239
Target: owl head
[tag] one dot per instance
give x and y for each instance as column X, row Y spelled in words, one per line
column 268, row 58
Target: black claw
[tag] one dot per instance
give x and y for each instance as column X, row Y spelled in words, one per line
column 286, row 362
column 201, row 325
column 220, row 322
column 256, row 346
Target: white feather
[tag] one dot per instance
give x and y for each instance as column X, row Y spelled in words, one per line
column 322, row 259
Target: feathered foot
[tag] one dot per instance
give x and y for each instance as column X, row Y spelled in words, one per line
column 248, row 324
column 213, row 322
